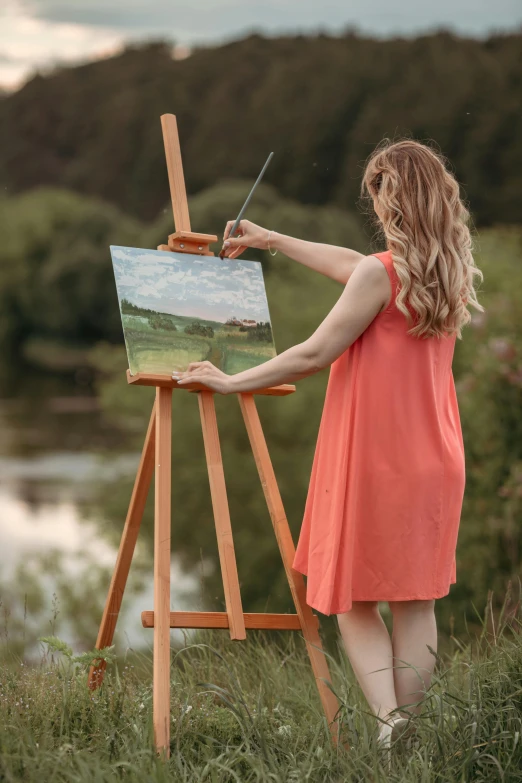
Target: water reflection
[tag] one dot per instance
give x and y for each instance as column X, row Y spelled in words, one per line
column 67, row 464
column 57, row 550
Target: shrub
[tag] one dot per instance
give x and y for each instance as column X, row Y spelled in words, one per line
column 197, row 328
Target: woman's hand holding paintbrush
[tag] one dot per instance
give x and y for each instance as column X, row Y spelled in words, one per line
column 236, row 225
column 248, row 234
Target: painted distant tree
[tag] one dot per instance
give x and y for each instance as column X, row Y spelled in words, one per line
column 197, row 328
column 261, row 331
column 162, row 322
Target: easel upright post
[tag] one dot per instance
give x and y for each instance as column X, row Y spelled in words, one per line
column 156, row 457
column 162, row 528
column 169, row 127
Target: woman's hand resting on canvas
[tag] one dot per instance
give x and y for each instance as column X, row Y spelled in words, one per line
column 248, row 234
column 205, row 373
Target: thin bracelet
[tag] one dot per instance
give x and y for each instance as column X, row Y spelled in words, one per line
column 268, row 243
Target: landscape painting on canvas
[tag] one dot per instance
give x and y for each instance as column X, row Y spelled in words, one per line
column 178, row 308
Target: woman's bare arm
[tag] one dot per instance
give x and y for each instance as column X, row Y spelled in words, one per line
column 335, row 262
column 330, row 260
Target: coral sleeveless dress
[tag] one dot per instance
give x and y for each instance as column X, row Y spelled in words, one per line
column 387, row 483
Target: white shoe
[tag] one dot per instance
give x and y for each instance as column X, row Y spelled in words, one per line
column 388, row 732
column 391, row 729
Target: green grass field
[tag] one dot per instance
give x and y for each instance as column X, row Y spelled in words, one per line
column 164, row 350
column 248, row 712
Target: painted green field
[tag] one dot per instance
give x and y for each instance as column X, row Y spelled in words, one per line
column 163, row 350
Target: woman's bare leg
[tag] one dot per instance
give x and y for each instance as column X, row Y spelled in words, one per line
column 369, row 648
column 414, row 627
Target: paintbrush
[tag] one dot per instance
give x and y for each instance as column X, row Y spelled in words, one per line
column 245, row 205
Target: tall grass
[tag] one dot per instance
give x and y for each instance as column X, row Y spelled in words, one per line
column 249, row 711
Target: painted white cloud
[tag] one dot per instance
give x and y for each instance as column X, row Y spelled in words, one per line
column 128, row 280
column 118, row 252
column 148, row 290
column 180, row 284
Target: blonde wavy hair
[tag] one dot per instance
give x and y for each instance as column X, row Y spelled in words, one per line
column 425, row 223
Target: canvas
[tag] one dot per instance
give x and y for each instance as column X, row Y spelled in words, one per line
column 178, row 308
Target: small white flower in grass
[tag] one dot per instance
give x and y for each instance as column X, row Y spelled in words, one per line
column 285, row 731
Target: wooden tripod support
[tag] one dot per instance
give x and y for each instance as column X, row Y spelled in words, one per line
column 156, row 455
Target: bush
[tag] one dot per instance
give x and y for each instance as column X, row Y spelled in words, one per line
column 162, row 322
column 197, row 328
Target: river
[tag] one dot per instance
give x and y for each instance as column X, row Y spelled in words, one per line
column 56, row 549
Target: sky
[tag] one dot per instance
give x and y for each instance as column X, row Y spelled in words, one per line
column 38, row 34
column 208, row 288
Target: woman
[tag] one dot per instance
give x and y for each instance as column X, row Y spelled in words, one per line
column 383, row 507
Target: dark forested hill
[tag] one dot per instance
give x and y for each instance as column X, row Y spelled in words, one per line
column 320, row 103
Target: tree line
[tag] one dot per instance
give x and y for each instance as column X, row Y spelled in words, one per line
column 320, row 102
column 156, row 320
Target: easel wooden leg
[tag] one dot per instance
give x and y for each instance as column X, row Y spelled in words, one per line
column 227, row 556
column 287, row 549
column 162, row 523
column 126, row 550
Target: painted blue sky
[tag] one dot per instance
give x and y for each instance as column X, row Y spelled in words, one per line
column 182, row 284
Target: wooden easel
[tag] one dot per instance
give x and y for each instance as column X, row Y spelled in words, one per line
column 156, row 455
